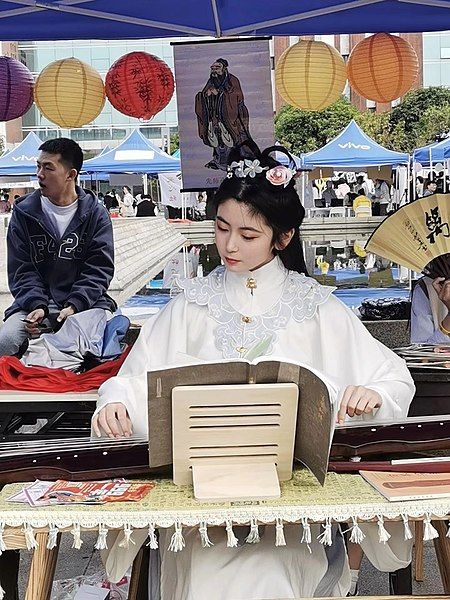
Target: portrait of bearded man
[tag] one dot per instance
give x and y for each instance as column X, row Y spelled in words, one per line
column 222, row 116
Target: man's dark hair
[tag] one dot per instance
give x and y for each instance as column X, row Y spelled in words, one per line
column 70, row 152
column 223, row 61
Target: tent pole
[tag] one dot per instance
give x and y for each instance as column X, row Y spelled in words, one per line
column 431, row 166
column 409, row 177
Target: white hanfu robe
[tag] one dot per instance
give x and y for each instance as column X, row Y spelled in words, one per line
column 229, row 315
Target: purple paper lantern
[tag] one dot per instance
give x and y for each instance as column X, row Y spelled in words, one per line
column 16, row 88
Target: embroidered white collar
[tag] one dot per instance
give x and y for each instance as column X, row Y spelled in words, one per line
column 248, row 323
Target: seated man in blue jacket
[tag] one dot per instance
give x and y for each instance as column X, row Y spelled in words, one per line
column 60, row 249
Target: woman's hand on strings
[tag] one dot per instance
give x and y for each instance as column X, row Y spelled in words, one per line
column 442, row 287
column 358, row 400
column 113, row 420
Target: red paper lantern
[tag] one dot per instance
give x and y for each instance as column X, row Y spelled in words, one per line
column 139, row 85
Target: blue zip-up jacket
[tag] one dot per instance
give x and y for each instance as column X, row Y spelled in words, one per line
column 75, row 269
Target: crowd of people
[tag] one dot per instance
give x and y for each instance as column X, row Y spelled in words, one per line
column 127, row 205
column 382, row 195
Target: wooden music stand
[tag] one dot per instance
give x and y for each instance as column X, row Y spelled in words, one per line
column 234, row 442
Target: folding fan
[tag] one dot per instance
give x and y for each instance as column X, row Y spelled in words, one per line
column 417, row 236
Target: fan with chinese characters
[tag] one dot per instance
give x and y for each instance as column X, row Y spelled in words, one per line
column 417, row 236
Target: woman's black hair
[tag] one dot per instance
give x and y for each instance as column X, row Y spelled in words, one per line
column 279, row 206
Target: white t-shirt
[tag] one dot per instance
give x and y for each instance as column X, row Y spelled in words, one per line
column 60, row 216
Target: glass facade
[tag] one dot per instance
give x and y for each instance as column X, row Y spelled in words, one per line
column 110, row 125
column 436, row 59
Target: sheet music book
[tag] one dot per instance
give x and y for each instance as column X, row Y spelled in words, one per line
column 315, row 415
column 409, row 486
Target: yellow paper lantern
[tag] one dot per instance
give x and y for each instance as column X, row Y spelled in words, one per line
column 310, row 75
column 382, row 67
column 69, row 92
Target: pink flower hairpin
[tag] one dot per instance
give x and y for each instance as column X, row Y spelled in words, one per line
column 280, row 175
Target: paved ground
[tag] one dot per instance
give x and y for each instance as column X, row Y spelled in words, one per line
column 72, row 563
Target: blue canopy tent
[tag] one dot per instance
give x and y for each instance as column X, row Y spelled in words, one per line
column 115, row 19
column 432, row 153
column 176, row 154
column 135, row 154
column 22, row 159
column 352, row 148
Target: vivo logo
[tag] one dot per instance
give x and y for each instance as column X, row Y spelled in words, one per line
column 24, row 157
column 355, row 146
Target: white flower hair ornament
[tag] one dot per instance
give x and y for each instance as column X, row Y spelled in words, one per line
column 280, row 175
column 245, row 168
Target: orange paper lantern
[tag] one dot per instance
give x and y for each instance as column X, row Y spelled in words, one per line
column 382, row 67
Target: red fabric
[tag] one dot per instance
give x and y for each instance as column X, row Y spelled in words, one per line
column 16, row 376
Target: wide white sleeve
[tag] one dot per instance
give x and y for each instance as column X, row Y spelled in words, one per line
column 159, row 342
column 352, row 356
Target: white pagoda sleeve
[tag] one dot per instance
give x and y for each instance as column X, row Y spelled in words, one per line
column 352, row 356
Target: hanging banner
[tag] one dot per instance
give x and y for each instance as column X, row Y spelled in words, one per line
column 171, row 195
column 224, row 96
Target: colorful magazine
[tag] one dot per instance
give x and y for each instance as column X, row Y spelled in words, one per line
column 82, row 492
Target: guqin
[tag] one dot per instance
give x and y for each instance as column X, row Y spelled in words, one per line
column 72, row 455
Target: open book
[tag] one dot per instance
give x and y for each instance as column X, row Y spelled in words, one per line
column 315, row 414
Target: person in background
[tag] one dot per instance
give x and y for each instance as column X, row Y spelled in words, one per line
column 342, row 190
column 430, row 306
column 381, row 198
column 127, row 203
column 101, row 198
column 111, row 201
column 60, row 249
column 430, row 188
column 146, row 207
column 4, row 205
column 328, row 194
column 365, row 184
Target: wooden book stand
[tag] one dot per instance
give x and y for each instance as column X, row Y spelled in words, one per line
column 234, row 442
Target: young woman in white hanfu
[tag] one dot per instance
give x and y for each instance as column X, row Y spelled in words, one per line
column 261, row 294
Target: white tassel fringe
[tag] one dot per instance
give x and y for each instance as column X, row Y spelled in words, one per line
column 306, row 535
column 357, row 535
column 30, row 540
column 203, row 529
column 177, row 542
column 52, row 539
column 325, row 537
column 2, row 541
column 448, row 531
column 280, row 540
column 153, row 541
column 429, row 532
column 127, row 539
column 383, row 534
column 253, row 536
column 2, row 593
column 232, row 541
column 76, row 532
column 102, row 543
column 408, row 532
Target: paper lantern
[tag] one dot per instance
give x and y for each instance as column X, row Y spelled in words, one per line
column 139, row 85
column 16, row 88
column 382, row 67
column 310, row 75
column 70, row 93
